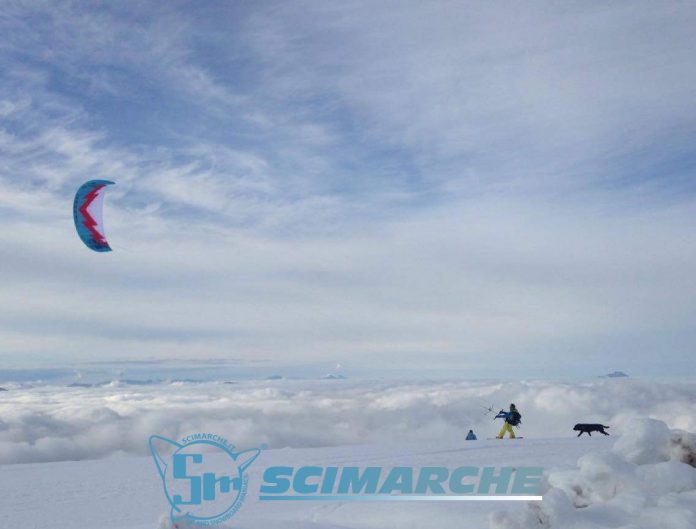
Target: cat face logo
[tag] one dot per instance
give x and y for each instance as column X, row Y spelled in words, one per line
column 204, row 480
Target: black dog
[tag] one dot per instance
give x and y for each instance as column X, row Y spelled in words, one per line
column 582, row 428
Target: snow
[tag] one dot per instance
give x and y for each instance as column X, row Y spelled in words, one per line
column 590, row 483
column 646, row 480
column 126, row 492
column 640, row 477
column 648, row 442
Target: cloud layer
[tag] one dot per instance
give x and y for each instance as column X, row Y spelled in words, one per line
column 50, row 423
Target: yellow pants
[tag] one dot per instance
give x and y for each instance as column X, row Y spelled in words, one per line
column 507, row 427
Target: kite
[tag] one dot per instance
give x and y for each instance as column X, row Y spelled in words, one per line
column 87, row 212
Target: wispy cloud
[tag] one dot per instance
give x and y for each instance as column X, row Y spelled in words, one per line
column 426, row 186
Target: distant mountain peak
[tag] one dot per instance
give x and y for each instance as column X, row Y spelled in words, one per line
column 332, row 376
column 616, row 374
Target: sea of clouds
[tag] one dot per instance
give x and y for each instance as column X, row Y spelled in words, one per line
column 55, row 423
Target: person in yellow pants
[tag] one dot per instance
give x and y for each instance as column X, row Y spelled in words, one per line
column 507, row 427
column 512, row 418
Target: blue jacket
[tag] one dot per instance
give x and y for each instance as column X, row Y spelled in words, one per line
column 471, row 436
column 507, row 415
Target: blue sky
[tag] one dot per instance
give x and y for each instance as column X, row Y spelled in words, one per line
column 463, row 188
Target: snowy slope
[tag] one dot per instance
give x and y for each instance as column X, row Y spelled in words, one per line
column 76, row 457
column 643, row 480
column 125, row 492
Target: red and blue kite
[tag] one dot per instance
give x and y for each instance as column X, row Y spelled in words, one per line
column 87, row 212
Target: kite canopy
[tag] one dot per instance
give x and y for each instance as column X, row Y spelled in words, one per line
column 87, row 212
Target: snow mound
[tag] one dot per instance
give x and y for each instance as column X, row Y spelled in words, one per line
column 165, row 522
column 647, row 480
column 648, row 442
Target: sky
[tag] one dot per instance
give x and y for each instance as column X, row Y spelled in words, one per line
column 440, row 188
